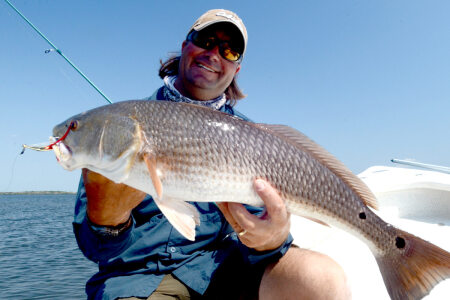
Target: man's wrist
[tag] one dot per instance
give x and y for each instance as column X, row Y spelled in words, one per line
column 254, row 256
column 110, row 231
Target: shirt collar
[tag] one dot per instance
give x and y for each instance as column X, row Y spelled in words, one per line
column 172, row 94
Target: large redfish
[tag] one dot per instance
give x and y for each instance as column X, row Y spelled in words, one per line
column 180, row 152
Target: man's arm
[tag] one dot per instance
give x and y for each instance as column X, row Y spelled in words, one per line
column 101, row 205
column 109, row 203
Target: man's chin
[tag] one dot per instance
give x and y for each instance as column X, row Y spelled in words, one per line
column 205, row 81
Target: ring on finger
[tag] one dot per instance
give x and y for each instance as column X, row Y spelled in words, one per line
column 242, row 232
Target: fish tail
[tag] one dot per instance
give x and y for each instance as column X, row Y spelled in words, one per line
column 413, row 267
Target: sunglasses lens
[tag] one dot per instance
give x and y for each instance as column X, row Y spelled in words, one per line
column 205, row 43
column 208, row 42
column 229, row 54
column 201, row 40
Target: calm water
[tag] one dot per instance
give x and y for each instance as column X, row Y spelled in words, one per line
column 39, row 257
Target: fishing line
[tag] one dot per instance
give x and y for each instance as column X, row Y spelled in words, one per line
column 54, row 48
column 12, row 172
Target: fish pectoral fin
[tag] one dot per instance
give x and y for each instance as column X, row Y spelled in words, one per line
column 182, row 215
column 316, row 220
column 150, row 161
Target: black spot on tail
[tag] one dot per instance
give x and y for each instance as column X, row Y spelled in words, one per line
column 400, row 242
column 362, row 215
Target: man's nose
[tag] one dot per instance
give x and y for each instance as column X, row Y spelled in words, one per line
column 214, row 52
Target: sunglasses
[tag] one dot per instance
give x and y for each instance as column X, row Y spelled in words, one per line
column 208, row 41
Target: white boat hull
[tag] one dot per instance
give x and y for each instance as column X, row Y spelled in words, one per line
column 411, row 193
column 414, row 200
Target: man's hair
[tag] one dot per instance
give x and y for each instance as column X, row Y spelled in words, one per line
column 170, row 68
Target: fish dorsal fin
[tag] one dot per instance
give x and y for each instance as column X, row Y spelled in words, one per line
column 298, row 139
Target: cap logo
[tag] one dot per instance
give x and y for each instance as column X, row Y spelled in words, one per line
column 225, row 15
column 232, row 18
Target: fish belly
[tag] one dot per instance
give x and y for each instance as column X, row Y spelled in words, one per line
column 197, row 185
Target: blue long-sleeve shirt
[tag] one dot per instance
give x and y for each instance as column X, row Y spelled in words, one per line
column 135, row 262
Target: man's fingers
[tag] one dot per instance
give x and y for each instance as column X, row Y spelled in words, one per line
column 223, row 206
column 265, row 232
column 275, row 206
column 238, row 216
column 245, row 220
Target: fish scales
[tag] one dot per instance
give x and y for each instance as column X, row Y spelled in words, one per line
column 212, row 149
column 227, row 153
column 208, row 148
column 179, row 152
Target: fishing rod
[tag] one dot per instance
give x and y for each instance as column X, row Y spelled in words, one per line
column 54, row 48
column 422, row 165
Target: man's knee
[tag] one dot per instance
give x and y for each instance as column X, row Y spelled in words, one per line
column 325, row 277
column 304, row 274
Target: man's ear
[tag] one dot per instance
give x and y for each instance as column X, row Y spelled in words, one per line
column 183, row 45
column 237, row 69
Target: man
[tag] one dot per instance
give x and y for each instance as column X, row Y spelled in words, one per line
column 239, row 252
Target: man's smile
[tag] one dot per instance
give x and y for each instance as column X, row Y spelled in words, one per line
column 205, row 67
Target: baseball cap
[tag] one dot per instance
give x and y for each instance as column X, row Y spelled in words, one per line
column 214, row 16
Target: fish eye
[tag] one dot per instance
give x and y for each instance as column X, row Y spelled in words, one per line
column 74, row 125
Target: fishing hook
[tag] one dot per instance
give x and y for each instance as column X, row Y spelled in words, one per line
column 49, row 147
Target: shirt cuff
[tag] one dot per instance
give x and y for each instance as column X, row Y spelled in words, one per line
column 98, row 247
column 110, row 231
column 254, row 257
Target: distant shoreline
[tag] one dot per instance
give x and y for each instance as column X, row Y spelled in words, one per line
column 38, row 193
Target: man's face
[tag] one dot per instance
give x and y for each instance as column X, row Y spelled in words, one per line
column 205, row 74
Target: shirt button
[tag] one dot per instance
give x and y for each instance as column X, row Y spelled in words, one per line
column 173, row 249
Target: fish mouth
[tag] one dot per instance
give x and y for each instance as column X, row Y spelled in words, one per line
column 62, row 152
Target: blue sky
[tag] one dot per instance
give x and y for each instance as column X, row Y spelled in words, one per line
column 368, row 80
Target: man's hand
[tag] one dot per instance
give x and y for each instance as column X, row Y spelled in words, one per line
column 263, row 233
column 109, row 203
